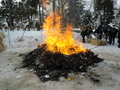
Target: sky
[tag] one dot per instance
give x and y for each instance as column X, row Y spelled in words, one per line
column 118, row 2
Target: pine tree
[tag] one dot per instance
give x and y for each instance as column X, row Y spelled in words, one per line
column 73, row 12
column 105, row 8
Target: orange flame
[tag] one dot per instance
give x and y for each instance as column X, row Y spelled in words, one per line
column 57, row 41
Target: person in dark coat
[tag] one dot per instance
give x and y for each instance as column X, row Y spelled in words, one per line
column 99, row 31
column 86, row 33
column 38, row 27
column 112, row 35
column 105, row 31
column 83, row 34
column 36, row 24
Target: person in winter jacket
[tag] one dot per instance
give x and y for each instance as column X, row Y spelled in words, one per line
column 83, row 34
column 106, row 31
column 112, row 34
column 99, row 31
column 38, row 27
column 86, row 33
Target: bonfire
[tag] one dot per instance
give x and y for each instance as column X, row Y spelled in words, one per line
column 60, row 54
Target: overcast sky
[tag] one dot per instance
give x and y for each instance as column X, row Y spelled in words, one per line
column 118, row 2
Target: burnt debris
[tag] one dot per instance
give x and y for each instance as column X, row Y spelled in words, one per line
column 51, row 66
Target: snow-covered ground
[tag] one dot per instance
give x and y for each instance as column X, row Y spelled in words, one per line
column 12, row 77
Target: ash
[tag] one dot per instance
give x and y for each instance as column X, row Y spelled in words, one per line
column 51, row 66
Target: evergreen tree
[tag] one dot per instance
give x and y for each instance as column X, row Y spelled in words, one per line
column 30, row 8
column 18, row 11
column 7, row 11
column 105, row 8
column 73, row 12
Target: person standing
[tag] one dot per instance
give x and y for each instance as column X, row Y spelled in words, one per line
column 99, row 31
column 112, row 35
column 106, row 31
column 38, row 27
column 86, row 33
column 83, row 34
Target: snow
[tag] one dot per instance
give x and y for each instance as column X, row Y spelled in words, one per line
column 12, row 77
column 28, row 39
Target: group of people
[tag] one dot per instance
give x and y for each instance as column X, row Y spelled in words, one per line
column 108, row 32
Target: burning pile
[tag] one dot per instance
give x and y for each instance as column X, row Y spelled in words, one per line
column 60, row 54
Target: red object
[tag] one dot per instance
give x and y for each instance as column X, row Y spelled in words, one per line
column 20, row 40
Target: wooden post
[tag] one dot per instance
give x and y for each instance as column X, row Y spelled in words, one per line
column 10, row 27
column 39, row 11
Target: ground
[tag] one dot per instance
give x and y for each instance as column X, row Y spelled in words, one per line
column 13, row 77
